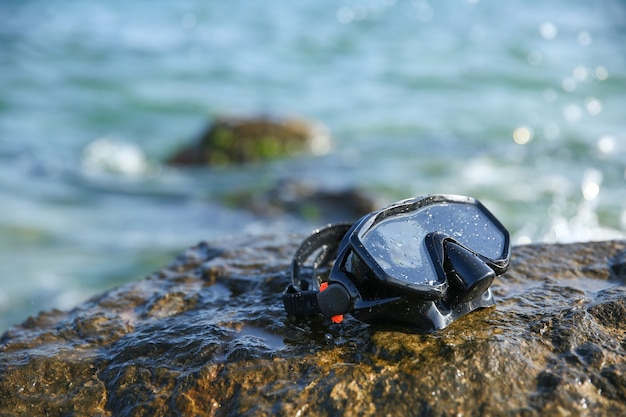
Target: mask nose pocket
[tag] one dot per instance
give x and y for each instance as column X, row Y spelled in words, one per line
column 468, row 275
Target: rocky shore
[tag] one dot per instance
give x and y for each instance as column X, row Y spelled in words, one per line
column 207, row 335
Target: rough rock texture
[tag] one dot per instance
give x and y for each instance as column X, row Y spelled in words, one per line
column 207, row 336
column 233, row 140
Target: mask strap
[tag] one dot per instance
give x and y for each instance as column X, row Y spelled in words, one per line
column 327, row 241
column 301, row 297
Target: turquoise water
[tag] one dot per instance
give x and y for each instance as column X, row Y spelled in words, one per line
column 520, row 104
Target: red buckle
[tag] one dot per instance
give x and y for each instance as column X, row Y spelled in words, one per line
column 339, row 317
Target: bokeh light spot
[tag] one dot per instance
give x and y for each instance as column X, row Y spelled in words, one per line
column 593, row 105
column 591, row 191
column 569, row 84
column 601, row 73
column 572, row 113
column 548, row 30
column 522, row 135
column 580, row 73
column 584, row 38
column 590, row 186
column 606, row 144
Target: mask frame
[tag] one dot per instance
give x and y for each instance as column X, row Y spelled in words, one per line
column 456, row 277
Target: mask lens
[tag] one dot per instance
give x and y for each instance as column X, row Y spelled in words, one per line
column 397, row 244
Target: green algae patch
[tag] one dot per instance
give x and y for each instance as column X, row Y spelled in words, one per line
column 232, row 140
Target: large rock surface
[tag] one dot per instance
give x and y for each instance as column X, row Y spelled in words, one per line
column 207, row 335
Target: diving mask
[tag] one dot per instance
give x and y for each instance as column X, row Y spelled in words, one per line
column 424, row 262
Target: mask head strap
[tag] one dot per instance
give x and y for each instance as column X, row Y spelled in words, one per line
column 303, row 296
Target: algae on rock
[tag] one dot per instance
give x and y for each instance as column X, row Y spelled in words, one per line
column 235, row 140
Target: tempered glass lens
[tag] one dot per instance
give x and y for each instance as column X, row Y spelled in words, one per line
column 397, row 242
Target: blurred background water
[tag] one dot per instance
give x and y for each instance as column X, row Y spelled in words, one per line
column 519, row 103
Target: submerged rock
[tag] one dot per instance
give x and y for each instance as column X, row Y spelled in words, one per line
column 308, row 201
column 235, row 140
column 207, row 336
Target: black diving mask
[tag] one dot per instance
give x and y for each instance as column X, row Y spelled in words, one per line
column 424, row 262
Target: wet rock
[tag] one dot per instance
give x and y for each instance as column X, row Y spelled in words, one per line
column 235, row 140
column 207, row 335
column 308, row 201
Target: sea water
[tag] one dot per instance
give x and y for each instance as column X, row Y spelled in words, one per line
column 521, row 104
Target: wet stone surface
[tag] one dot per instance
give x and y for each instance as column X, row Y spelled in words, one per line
column 207, row 335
